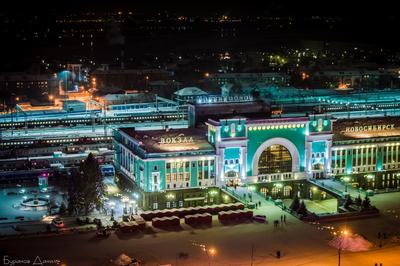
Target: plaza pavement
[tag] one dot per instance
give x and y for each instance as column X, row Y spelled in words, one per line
column 300, row 243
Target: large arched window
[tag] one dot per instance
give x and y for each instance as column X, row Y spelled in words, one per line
column 275, row 159
column 231, row 173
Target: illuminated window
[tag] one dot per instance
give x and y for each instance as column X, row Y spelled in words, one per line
column 275, row 159
column 233, row 128
column 287, row 191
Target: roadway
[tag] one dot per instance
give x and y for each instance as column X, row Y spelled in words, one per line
column 301, row 244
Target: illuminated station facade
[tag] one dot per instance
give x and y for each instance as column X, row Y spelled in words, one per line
column 277, row 156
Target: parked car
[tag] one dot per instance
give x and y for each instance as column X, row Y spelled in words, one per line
column 57, row 222
column 17, row 228
column 251, row 205
column 103, row 233
column 260, row 218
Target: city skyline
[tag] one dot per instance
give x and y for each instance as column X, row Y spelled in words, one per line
column 207, row 133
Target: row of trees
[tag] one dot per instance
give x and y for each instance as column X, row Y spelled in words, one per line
column 365, row 203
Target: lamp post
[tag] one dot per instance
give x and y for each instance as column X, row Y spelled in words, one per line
column 112, row 206
column 132, row 204
column 346, row 179
column 344, row 234
column 210, row 252
column 125, row 200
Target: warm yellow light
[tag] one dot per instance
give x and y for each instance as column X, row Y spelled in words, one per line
column 346, row 179
column 212, row 251
column 207, row 74
column 51, row 97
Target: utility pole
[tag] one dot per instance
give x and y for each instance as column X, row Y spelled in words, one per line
column 252, row 254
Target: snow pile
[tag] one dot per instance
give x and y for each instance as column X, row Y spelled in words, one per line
column 123, row 260
column 352, row 242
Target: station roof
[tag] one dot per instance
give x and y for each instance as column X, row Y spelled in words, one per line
column 190, row 91
column 173, row 140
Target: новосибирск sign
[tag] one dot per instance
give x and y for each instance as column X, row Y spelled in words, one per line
column 370, row 128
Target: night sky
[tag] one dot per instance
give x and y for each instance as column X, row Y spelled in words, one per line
column 360, row 22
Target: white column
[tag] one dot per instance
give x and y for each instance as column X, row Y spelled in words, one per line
column 243, row 166
column 392, row 155
column 308, row 158
column 372, row 156
column 209, row 172
column 220, row 167
column 335, row 163
column 190, row 173
column 170, row 173
column 387, row 155
column 362, row 157
column 184, row 173
column 328, row 158
column 341, row 157
column 202, row 172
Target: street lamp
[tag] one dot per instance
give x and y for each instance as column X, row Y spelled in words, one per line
column 210, row 252
column 131, row 206
column 344, row 233
column 112, row 206
column 125, row 200
column 346, row 179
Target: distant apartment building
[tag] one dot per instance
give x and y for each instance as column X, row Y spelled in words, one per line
column 128, row 79
column 353, row 78
column 32, row 85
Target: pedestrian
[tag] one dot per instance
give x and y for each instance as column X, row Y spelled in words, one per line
column 284, row 218
column 379, row 235
column 380, row 264
column 384, row 235
column 281, row 218
column 376, row 264
column 259, row 203
column 278, row 254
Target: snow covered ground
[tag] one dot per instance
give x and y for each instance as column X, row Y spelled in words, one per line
column 300, row 243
